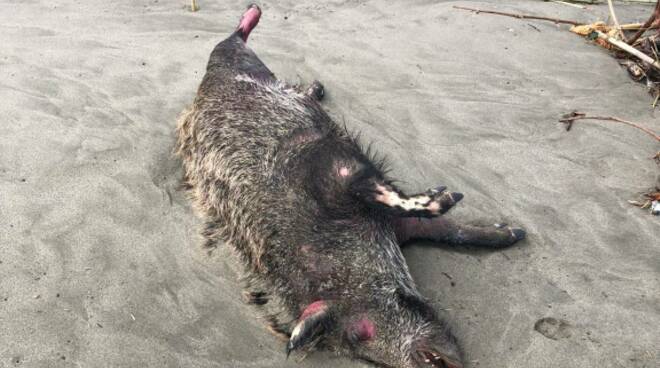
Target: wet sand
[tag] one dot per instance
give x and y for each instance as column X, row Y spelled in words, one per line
column 100, row 262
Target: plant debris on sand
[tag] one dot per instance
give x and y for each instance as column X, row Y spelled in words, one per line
column 638, row 52
column 649, row 199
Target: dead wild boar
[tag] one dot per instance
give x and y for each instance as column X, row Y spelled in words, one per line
column 315, row 219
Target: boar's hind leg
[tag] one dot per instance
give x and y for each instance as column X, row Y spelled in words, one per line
column 444, row 230
column 233, row 56
column 386, row 197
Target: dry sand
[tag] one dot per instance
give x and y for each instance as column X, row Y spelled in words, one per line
column 100, row 264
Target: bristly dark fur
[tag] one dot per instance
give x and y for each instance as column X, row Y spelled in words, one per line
column 313, row 215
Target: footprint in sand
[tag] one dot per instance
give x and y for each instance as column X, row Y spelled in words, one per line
column 553, row 328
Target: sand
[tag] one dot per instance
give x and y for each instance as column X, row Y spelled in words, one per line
column 100, row 262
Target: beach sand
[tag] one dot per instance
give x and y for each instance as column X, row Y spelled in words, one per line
column 100, row 261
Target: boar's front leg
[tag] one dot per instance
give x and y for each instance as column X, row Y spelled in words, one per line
column 444, row 230
column 315, row 91
column 386, row 197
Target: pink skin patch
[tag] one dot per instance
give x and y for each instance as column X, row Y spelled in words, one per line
column 316, row 307
column 344, row 171
column 249, row 20
column 433, row 207
column 385, row 196
column 363, row 329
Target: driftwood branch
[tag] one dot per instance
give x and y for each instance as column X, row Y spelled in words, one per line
column 574, row 116
column 520, row 16
column 629, row 49
column 652, row 21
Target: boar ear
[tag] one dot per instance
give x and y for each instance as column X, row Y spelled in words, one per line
column 433, row 359
column 313, row 322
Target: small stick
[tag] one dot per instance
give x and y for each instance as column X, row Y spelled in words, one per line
column 574, row 116
column 652, row 21
column 533, row 26
column 617, row 26
column 521, row 16
column 193, row 5
column 637, row 26
column 569, row 4
column 641, row 205
column 654, row 48
column 629, row 49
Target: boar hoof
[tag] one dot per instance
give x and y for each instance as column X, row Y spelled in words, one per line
column 315, row 91
column 518, row 233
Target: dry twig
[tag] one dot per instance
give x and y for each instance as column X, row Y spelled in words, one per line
column 617, row 26
column 574, row 116
column 637, row 26
column 569, row 4
column 652, row 21
column 629, row 49
column 622, row 45
column 520, row 16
